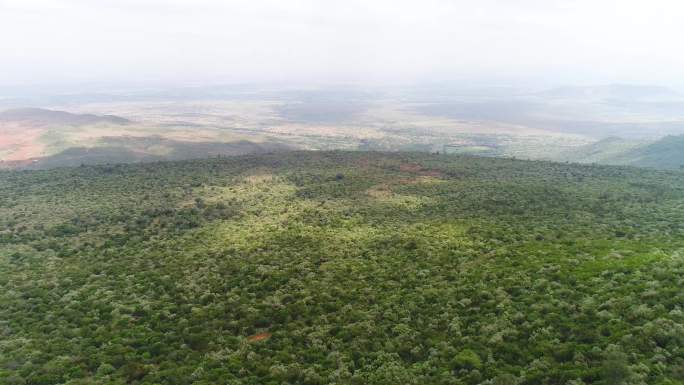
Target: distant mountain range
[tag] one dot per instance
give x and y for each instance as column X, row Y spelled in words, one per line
column 612, row 91
column 40, row 116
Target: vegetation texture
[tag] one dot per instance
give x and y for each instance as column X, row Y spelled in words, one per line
column 342, row 268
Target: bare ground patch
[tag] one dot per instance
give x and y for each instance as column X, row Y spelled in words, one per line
column 380, row 191
column 21, row 143
column 259, row 337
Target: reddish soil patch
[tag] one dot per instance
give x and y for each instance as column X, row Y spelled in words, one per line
column 22, row 142
column 259, row 337
column 380, row 191
column 410, row 167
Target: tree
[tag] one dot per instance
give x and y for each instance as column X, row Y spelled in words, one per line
column 467, row 359
column 615, row 369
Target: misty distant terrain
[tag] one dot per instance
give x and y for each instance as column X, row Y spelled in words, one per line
column 609, row 124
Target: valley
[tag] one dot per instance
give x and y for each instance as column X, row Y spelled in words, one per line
column 562, row 124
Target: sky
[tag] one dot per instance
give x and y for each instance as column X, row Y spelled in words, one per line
column 340, row 42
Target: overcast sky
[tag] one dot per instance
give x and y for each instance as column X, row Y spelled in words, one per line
column 345, row 41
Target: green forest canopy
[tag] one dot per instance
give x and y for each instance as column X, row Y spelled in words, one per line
column 342, row 268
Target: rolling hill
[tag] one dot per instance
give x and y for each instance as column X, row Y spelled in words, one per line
column 604, row 151
column 114, row 150
column 40, row 116
column 342, row 268
column 30, row 133
column 34, row 138
column 665, row 153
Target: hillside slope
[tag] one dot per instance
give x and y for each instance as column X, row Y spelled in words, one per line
column 605, row 151
column 113, row 150
column 28, row 133
column 40, row 116
column 34, row 138
column 342, row 268
column 666, row 153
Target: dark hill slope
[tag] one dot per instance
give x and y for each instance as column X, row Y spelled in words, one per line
column 39, row 116
column 604, row 151
column 145, row 149
column 342, row 268
column 666, row 153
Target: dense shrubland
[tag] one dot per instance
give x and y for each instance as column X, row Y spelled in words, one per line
column 342, row 268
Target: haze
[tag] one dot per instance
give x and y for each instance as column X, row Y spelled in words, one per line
column 360, row 42
column 318, row 192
